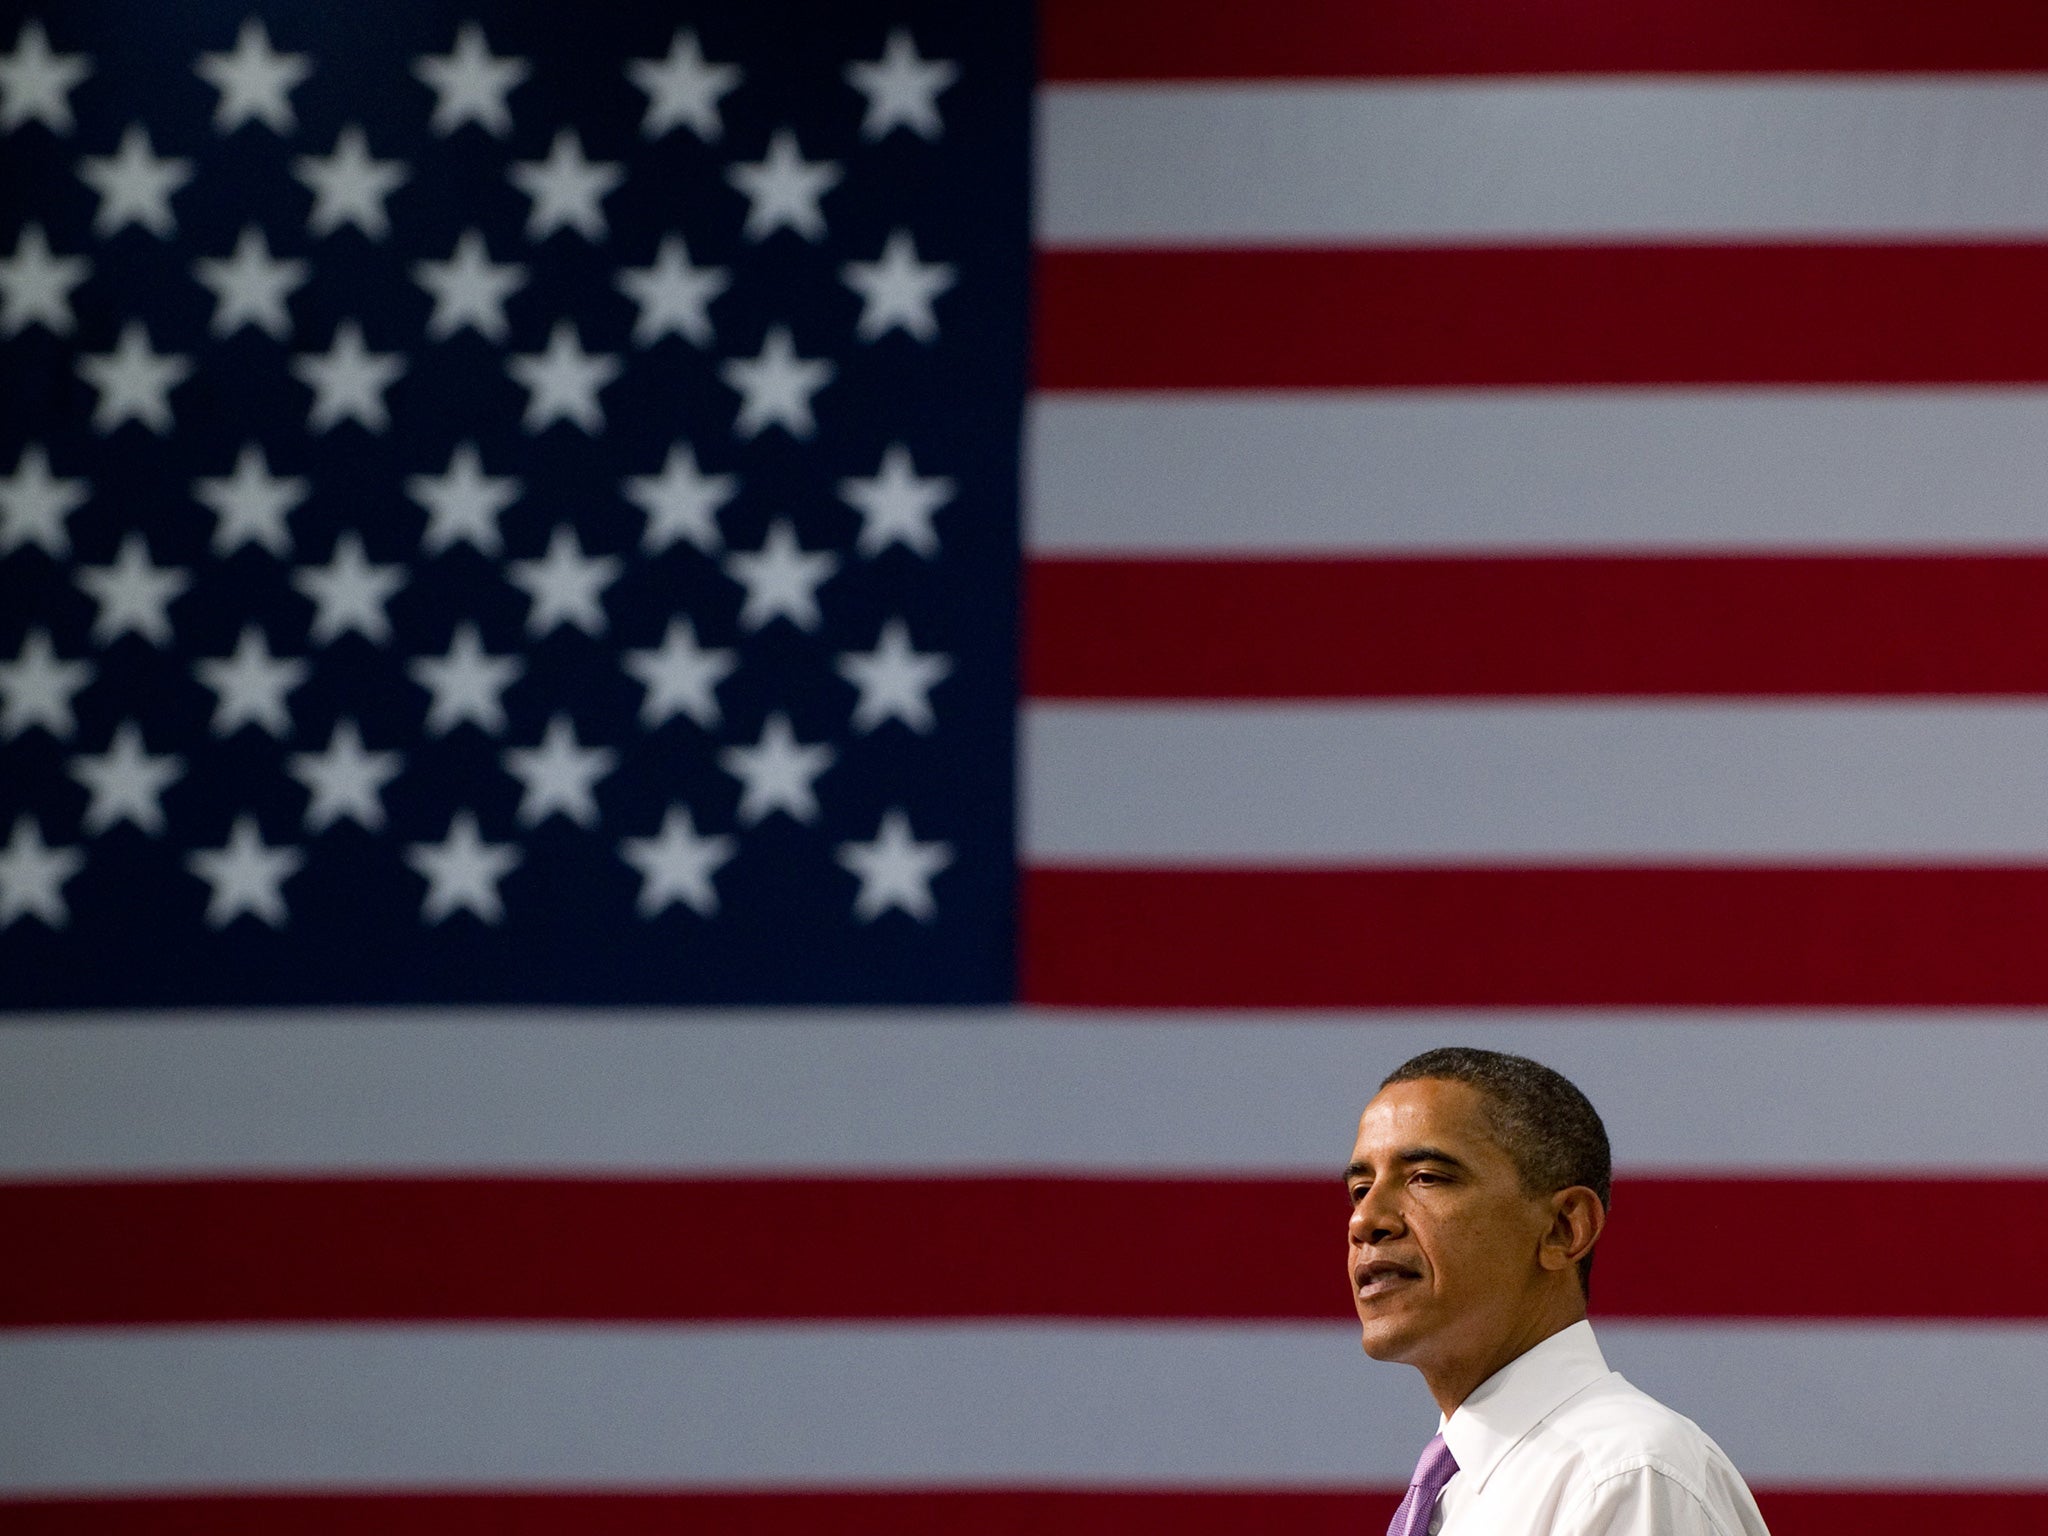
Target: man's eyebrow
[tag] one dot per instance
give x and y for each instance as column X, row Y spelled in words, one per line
column 1431, row 1155
column 1411, row 1156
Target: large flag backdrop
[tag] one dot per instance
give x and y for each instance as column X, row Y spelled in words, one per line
column 539, row 998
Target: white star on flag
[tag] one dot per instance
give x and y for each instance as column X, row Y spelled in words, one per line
column 126, row 782
column 134, row 381
column 32, row 876
column 902, row 89
column 246, row 877
column 36, row 83
column 250, row 686
column 348, row 381
column 255, row 81
column 349, row 186
column 470, row 83
column 896, row 505
column 134, row 185
column 462, row 872
column 777, row 773
column 133, row 594
column 562, row 383
column 681, row 502
column 36, row 284
column 469, row 289
column 251, row 286
column 672, row 295
column 345, row 780
column 466, row 684
column 683, row 90
column 560, row 775
column 897, row 290
column 36, row 688
column 566, row 586
column 250, row 505
column 463, row 503
column 680, row 676
column 775, row 388
column 34, row 505
column 895, row 681
column 349, row 593
column 676, row 865
column 894, row 870
column 567, row 189
column 782, row 579
column 782, row 189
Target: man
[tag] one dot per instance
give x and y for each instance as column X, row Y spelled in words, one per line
column 1478, row 1188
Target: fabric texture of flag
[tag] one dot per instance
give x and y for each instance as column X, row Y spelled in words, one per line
column 731, row 735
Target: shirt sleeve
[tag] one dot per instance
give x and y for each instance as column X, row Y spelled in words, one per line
column 1649, row 1501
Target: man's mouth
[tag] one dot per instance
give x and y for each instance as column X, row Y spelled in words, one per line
column 1380, row 1277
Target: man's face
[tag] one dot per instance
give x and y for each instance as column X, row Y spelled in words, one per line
column 1443, row 1237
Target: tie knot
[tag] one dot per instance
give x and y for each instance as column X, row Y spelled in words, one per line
column 1431, row 1473
column 1436, row 1467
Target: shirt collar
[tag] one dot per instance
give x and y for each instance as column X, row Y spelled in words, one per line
column 1519, row 1396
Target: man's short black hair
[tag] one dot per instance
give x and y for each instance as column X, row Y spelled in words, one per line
column 1539, row 1116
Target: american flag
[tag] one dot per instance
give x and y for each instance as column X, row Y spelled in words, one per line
column 566, row 969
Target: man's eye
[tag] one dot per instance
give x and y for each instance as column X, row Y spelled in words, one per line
column 1357, row 1193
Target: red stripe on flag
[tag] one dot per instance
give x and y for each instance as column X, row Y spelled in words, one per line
column 1266, row 39
column 1407, row 627
column 897, row 1247
column 1578, row 937
column 844, row 1245
column 1541, row 315
column 976, row 1512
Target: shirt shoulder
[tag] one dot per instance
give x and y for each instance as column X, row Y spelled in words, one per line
column 1612, row 1424
column 1652, row 1500
column 1636, row 1465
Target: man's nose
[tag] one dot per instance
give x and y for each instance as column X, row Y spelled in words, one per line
column 1375, row 1217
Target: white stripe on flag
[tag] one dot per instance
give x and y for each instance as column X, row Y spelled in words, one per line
column 1780, row 1093
column 835, row 1407
column 1508, row 471
column 1562, row 160
column 1478, row 783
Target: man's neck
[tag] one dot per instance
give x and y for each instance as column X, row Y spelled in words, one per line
column 1452, row 1381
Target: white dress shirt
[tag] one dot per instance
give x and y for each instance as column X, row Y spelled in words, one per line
column 1556, row 1444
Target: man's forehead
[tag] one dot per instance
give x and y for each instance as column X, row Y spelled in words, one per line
column 1432, row 1111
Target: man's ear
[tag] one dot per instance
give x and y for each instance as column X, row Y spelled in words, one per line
column 1576, row 1219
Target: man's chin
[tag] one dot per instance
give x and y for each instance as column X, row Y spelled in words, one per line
column 1386, row 1341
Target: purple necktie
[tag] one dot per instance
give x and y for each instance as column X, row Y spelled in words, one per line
column 1436, row 1468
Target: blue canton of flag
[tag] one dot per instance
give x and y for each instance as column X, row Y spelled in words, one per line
column 508, row 503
